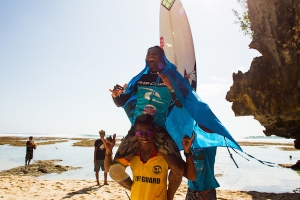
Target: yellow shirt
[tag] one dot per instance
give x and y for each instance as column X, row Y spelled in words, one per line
column 149, row 179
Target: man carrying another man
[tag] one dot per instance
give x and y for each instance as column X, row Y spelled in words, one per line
column 149, row 166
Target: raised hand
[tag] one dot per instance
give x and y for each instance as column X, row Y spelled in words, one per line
column 166, row 80
column 187, row 143
column 118, row 89
column 109, row 143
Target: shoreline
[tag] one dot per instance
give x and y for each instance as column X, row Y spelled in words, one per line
column 25, row 187
column 21, row 141
column 88, row 142
column 80, row 183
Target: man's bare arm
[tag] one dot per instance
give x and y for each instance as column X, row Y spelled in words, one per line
column 95, row 154
column 189, row 168
column 30, row 143
column 116, row 170
column 167, row 83
column 176, row 166
column 118, row 174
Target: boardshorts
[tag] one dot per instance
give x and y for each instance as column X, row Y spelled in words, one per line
column 99, row 164
column 201, row 195
column 163, row 142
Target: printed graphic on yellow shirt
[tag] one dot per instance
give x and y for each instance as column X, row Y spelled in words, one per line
column 149, row 179
column 157, row 169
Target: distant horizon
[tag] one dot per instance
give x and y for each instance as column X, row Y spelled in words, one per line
column 118, row 135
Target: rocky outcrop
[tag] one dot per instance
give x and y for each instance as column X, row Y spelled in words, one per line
column 39, row 168
column 270, row 90
column 296, row 166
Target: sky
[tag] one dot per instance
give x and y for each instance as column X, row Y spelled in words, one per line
column 59, row 58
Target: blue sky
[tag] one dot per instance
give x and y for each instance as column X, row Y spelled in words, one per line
column 58, row 59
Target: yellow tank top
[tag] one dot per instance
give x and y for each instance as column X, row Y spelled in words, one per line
column 149, row 179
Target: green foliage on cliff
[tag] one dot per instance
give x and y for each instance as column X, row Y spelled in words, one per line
column 242, row 18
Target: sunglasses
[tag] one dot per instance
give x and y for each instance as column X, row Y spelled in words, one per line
column 146, row 133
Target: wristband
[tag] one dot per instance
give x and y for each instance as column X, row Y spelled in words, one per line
column 172, row 90
column 108, row 154
column 188, row 154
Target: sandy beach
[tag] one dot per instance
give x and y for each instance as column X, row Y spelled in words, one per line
column 26, row 187
column 23, row 182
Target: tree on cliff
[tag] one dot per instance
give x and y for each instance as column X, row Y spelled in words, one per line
column 242, row 19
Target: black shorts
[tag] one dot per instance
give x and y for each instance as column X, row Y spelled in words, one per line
column 29, row 155
column 99, row 164
column 163, row 142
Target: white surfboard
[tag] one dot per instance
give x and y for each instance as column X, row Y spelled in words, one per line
column 176, row 39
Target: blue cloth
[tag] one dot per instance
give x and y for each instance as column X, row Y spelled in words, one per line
column 185, row 120
column 204, row 160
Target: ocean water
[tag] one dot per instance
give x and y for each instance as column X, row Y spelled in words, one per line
column 250, row 175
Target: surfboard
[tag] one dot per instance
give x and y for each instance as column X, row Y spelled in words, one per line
column 176, row 39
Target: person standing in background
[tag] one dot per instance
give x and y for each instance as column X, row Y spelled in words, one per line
column 29, row 150
column 99, row 156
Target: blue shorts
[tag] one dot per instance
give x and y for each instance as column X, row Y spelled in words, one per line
column 99, row 164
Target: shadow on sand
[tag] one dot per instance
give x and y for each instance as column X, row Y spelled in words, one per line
column 82, row 191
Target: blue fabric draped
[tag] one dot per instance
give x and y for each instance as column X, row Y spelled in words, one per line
column 186, row 120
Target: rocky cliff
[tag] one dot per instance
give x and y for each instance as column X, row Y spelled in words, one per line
column 270, row 90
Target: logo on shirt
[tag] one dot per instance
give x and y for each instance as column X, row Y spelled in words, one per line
column 146, row 179
column 101, row 147
column 155, row 96
column 157, row 169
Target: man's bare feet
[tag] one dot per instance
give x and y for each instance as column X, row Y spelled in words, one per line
column 106, row 183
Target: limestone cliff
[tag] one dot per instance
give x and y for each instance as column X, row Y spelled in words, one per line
column 270, row 90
